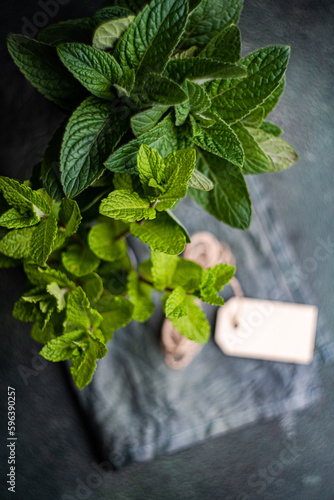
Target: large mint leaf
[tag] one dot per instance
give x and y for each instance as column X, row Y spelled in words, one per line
column 50, row 169
column 16, row 243
column 221, row 140
column 116, row 313
column 23, row 198
column 144, row 122
column 79, row 261
column 97, row 71
column 208, row 20
column 108, row 33
column 225, row 46
column 151, row 38
column 229, row 200
column 202, row 70
column 125, row 158
column 140, row 296
column 193, row 324
column 163, row 234
column 158, row 89
column 41, row 66
column 13, row 219
column 91, row 134
column 125, row 205
column 73, row 30
column 43, row 239
column 280, row 154
column 104, row 242
column 256, row 161
column 234, row 99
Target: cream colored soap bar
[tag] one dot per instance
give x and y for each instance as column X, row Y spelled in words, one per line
column 264, row 329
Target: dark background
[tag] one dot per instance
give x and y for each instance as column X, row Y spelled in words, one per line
column 56, row 445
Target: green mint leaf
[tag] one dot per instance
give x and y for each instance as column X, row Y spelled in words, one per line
column 26, row 311
column 43, row 239
column 256, row 161
column 151, row 38
column 188, row 275
column 61, row 348
column 45, row 335
column 103, row 242
column 16, row 243
column 221, row 140
column 13, row 219
column 179, row 167
column 193, row 324
column 163, row 269
column 140, row 296
column 181, row 113
column 200, row 181
column 176, row 304
column 157, row 89
column 271, row 128
column 150, row 165
column 116, row 313
column 23, row 198
column 79, row 313
column 40, row 65
column 73, row 30
column 50, row 169
column 225, row 46
column 208, row 20
column 280, row 154
column 40, row 276
column 127, row 206
column 202, row 70
column 125, row 158
column 79, row 261
column 199, row 99
column 84, row 362
column 255, row 118
column 109, row 32
column 163, row 234
column 144, row 122
column 91, row 134
column 229, row 201
column 109, row 13
column 234, row 99
column 92, row 285
column 59, row 294
column 213, row 280
column 69, row 218
column 97, row 71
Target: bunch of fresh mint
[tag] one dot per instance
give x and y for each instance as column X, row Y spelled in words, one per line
column 160, row 105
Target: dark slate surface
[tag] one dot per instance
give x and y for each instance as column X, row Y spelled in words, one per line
column 57, row 445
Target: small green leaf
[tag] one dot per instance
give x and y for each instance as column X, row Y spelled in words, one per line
column 97, row 71
column 140, row 296
column 13, row 219
column 103, row 242
column 221, row 140
column 69, row 218
column 23, row 198
column 79, row 313
column 208, row 20
column 144, row 122
column 176, row 304
column 59, row 294
column 40, row 276
column 200, row 181
column 91, row 134
column 188, row 275
column 61, row 348
column 150, row 165
column 79, row 261
column 255, row 118
column 43, row 239
column 151, row 38
column 229, row 201
column 163, row 234
column 202, row 70
column 107, row 34
column 271, row 128
column 280, row 154
column 84, row 362
column 225, row 46
column 116, row 313
column 199, row 99
column 193, row 324
column 234, row 99
column 127, row 206
column 256, row 161
column 16, row 243
column 181, row 113
column 125, row 158
column 40, row 65
column 26, row 311
column 213, row 280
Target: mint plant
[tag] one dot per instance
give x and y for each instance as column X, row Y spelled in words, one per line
column 159, row 105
